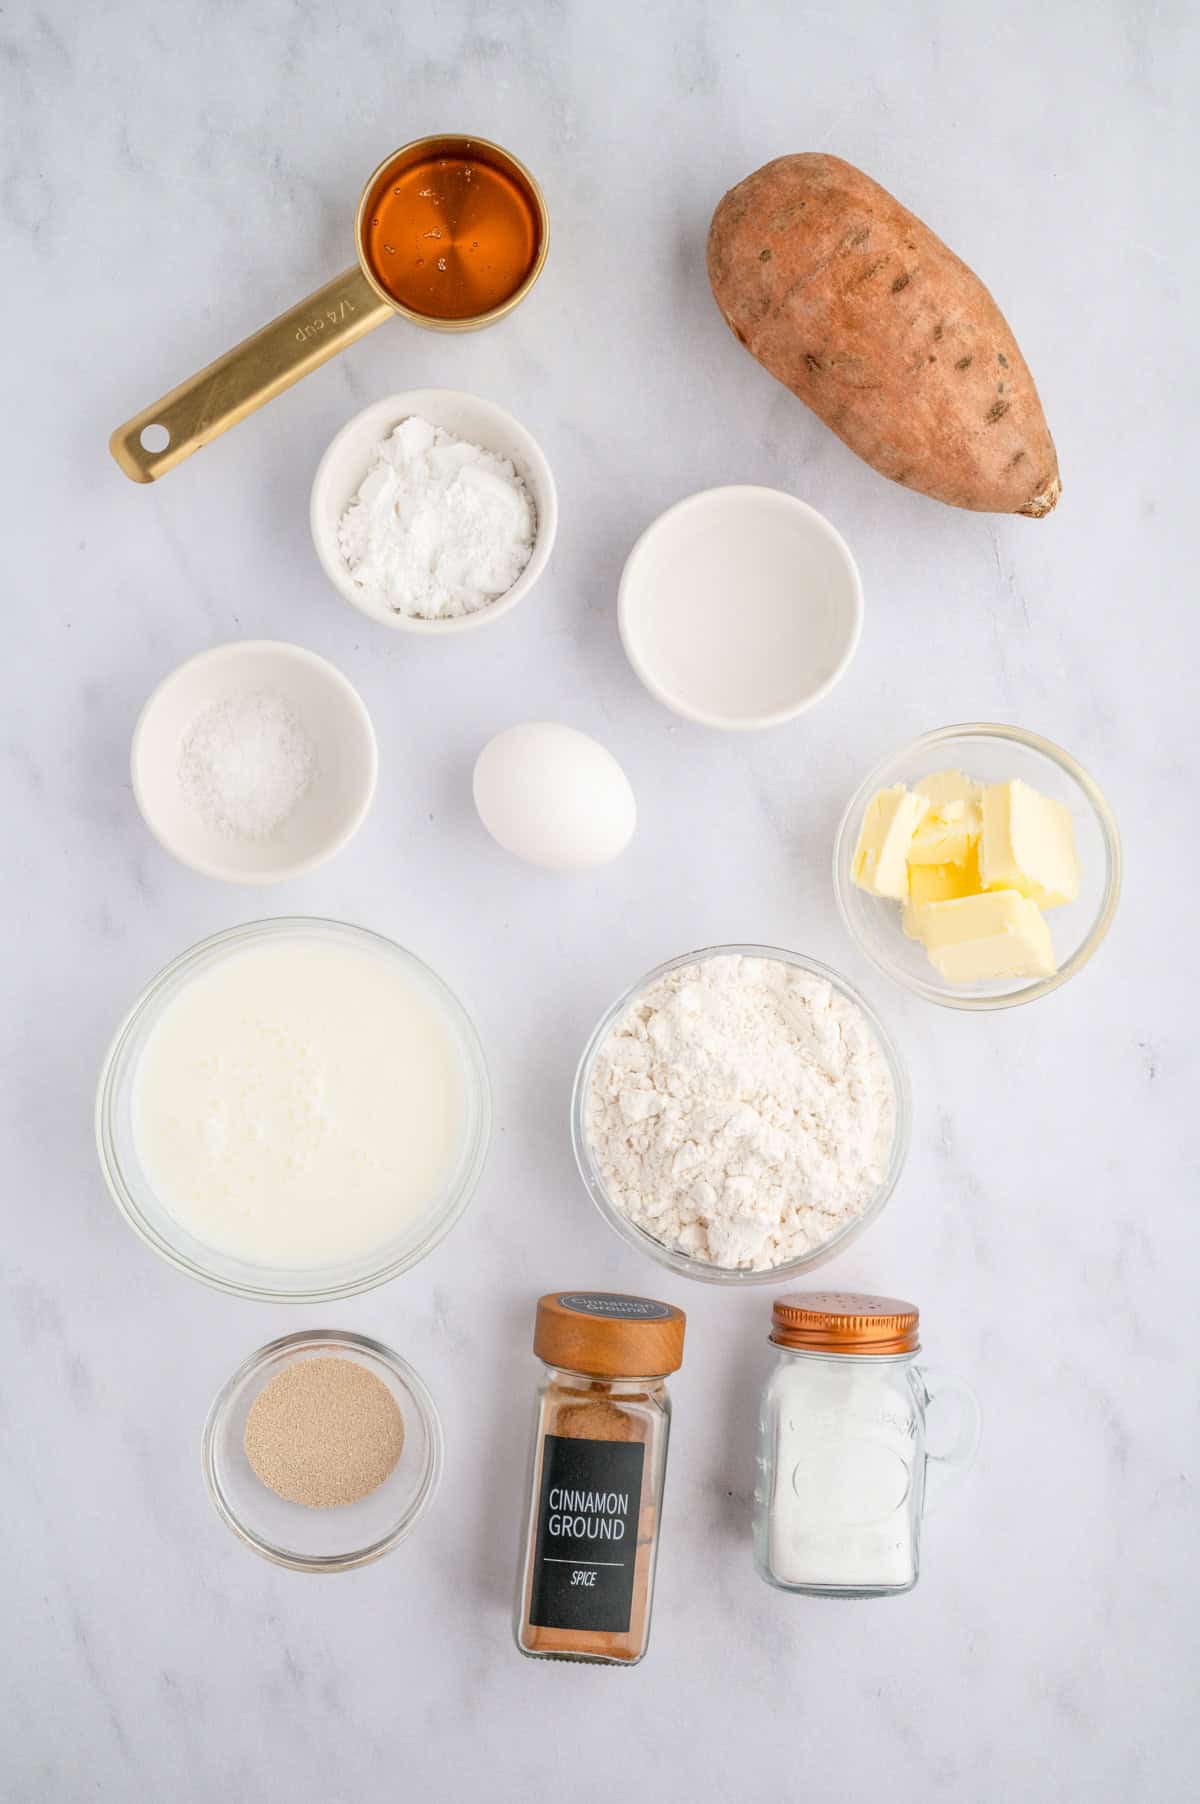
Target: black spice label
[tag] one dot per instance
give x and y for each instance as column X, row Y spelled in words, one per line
column 586, row 1546
column 614, row 1308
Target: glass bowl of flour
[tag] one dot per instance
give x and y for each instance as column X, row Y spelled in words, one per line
column 740, row 1114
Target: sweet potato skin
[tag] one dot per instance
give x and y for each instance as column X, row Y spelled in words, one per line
column 857, row 307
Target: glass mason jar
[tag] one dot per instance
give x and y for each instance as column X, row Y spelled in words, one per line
column 844, row 1473
column 596, row 1481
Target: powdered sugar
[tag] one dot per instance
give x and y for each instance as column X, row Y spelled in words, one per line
column 742, row 1111
column 439, row 527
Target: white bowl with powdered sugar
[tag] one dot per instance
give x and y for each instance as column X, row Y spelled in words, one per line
column 433, row 511
column 741, row 1114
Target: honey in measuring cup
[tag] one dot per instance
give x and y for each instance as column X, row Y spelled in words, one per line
column 452, row 236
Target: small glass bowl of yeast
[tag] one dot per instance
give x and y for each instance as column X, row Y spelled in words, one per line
column 988, row 754
column 295, row 1110
column 349, row 1534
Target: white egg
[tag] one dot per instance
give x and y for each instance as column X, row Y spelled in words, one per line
column 554, row 797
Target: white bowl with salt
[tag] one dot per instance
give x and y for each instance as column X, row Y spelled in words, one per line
column 440, row 527
column 254, row 762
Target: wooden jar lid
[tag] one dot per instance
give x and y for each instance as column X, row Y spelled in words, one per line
column 604, row 1334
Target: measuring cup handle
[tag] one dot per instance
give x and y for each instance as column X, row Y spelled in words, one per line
column 943, row 1470
column 255, row 371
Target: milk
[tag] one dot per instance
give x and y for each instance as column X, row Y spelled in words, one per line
column 300, row 1104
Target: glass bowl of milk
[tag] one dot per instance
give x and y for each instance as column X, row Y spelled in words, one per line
column 295, row 1110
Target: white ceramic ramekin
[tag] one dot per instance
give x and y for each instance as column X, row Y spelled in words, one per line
column 341, row 471
column 740, row 607
column 330, row 710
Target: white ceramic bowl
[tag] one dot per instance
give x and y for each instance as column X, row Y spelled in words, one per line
column 332, row 713
column 341, row 471
column 740, row 607
column 992, row 754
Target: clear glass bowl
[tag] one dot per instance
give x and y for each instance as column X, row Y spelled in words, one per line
column 134, row 1192
column 351, row 1534
column 683, row 1263
column 993, row 754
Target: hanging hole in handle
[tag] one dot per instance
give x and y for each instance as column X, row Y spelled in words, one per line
column 154, row 438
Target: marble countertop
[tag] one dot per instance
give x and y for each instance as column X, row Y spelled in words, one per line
column 170, row 180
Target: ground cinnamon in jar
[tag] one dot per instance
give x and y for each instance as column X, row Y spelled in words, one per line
column 599, row 1462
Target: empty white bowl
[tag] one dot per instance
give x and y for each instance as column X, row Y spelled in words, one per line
column 335, row 719
column 340, row 473
column 740, row 607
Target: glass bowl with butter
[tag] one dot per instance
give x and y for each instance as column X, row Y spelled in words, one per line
column 979, row 866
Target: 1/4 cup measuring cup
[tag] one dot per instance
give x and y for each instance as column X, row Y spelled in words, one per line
column 451, row 233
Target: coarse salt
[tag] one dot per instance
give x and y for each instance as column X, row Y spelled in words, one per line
column 439, row 527
column 246, row 763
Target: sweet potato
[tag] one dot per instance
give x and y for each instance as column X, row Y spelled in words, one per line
column 854, row 304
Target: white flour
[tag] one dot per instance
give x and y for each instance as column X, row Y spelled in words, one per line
column 439, row 527
column 742, row 1111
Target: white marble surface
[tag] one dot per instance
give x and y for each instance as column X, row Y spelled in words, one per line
column 171, row 177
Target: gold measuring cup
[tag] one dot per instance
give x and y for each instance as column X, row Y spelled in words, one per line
column 354, row 303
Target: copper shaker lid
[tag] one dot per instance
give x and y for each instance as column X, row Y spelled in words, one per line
column 844, row 1321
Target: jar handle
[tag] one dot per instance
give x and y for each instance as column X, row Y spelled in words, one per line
column 943, row 1470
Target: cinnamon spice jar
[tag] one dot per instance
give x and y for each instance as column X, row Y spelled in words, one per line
column 596, row 1484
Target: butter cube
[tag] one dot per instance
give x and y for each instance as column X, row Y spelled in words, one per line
column 997, row 934
column 952, row 823
column 947, row 786
column 1028, row 844
column 939, row 883
column 880, row 862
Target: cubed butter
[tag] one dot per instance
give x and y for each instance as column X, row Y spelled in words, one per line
column 880, row 862
column 952, row 822
column 1028, row 844
column 946, row 786
column 939, row 883
column 997, row 934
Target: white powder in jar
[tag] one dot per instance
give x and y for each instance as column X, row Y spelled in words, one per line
column 844, row 1501
column 246, row 763
column 741, row 1111
column 439, row 527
